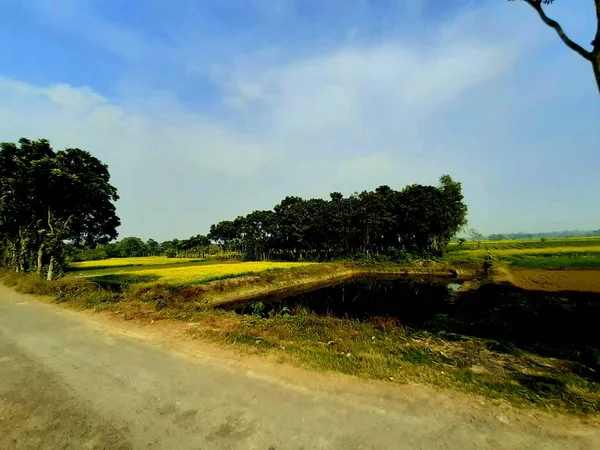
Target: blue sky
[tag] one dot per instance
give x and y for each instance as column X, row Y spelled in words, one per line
column 209, row 109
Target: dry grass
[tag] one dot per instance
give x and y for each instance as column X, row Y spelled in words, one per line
column 379, row 348
column 376, row 350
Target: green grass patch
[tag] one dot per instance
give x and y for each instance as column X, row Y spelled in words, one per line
column 555, row 262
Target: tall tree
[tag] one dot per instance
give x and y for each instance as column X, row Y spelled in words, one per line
column 49, row 198
column 593, row 55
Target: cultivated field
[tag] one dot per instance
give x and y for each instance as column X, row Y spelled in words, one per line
column 128, row 262
column 553, row 265
column 507, row 244
column 552, row 254
column 176, row 272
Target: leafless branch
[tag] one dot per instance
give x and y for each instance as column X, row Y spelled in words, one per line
column 537, row 5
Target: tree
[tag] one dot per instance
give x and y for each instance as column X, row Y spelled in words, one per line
column 475, row 236
column 50, row 198
column 592, row 56
column 152, row 247
column 384, row 223
column 131, row 247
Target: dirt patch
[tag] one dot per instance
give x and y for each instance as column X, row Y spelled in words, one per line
column 557, row 280
column 38, row 411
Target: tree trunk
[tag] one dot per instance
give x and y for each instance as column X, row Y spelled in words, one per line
column 15, row 256
column 50, row 269
column 40, row 256
column 596, row 66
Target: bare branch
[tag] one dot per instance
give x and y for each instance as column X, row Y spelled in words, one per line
column 537, row 5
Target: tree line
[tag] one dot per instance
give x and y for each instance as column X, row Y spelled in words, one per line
column 60, row 204
column 48, row 200
column 552, row 235
column 384, row 223
column 198, row 246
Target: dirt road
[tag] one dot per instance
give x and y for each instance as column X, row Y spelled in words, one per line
column 68, row 383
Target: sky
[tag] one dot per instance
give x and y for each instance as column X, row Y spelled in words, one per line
column 209, row 109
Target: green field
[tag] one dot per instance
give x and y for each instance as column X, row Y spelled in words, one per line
column 566, row 253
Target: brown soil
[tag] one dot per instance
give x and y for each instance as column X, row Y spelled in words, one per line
column 557, row 280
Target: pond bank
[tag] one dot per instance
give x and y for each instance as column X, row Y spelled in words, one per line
column 233, row 292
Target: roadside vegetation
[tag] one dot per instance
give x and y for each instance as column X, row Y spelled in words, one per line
column 495, row 341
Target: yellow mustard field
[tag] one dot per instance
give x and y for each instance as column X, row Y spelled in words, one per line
column 192, row 274
column 123, row 262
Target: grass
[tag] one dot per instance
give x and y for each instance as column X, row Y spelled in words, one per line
column 552, row 254
column 553, row 262
column 539, row 351
column 541, row 251
column 531, row 353
column 506, row 244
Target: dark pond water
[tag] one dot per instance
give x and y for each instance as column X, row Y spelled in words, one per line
column 413, row 301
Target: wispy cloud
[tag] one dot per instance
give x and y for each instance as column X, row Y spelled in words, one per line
column 471, row 98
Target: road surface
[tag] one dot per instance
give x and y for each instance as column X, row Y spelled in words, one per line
column 66, row 383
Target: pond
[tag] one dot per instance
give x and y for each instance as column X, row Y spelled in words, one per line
column 412, row 301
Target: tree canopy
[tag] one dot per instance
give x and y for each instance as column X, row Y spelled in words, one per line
column 49, row 198
column 593, row 55
column 418, row 220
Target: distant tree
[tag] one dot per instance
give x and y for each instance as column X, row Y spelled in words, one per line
column 196, row 244
column 152, row 247
column 131, row 247
column 169, row 247
column 384, row 223
column 475, row 236
column 592, row 56
column 112, row 250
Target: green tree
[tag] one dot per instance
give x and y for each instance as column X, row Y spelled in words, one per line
column 131, row 247
column 593, row 55
column 419, row 220
column 152, row 247
column 50, row 198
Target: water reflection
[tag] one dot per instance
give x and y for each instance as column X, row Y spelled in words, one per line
column 412, row 301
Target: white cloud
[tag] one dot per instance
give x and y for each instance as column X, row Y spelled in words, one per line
column 347, row 119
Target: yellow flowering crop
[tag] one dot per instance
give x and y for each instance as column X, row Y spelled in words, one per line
column 191, row 274
column 120, row 262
